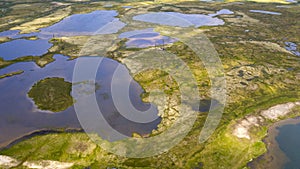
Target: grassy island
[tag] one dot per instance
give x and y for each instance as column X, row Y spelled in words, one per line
column 52, row 94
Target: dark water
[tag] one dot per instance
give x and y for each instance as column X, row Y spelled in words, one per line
column 22, row 47
column 289, row 142
column 18, row 114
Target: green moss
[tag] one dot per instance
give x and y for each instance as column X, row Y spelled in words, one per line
column 52, row 94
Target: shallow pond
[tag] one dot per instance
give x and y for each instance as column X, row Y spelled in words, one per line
column 20, row 116
column 179, row 19
column 265, row 12
column 292, row 47
column 22, row 47
column 145, row 38
column 222, row 12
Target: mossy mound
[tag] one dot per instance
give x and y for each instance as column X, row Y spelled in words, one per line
column 52, row 94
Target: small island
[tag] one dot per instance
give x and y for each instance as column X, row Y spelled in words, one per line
column 52, row 94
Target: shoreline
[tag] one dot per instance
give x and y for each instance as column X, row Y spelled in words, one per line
column 274, row 157
column 38, row 133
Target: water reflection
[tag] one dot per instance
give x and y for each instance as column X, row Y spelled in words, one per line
column 97, row 22
column 22, row 47
column 86, row 24
column 20, row 116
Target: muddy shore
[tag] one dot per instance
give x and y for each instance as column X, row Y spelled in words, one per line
column 274, row 158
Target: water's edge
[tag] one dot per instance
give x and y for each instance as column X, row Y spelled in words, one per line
column 274, row 158
column 39, row 133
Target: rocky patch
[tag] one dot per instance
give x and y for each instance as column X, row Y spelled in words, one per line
column 241, row 129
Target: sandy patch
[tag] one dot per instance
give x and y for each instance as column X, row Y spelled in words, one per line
column 275, row 112
column 242, row 129
column 8, row 161
column 59, row 3
column 47, row 164
column 4, row 39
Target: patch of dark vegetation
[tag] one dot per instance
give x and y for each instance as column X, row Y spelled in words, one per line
column 52, row 94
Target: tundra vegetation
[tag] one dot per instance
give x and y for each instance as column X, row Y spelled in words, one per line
column 261, row 74
column 53, row 94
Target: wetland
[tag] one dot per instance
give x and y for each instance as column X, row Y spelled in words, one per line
column 42, row 41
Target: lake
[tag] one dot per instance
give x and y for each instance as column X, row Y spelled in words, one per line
column 20, row 116
column 283, row 142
